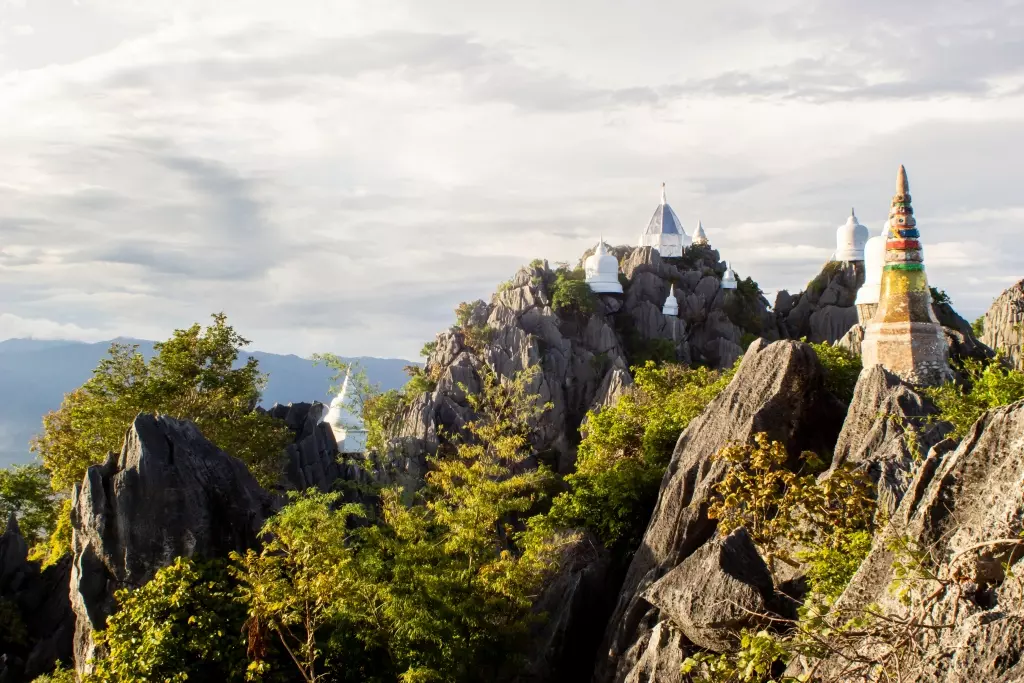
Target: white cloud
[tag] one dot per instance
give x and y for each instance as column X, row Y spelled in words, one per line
column 13, row 327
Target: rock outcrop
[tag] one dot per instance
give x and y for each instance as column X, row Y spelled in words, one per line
column 889, row 429
column 1004, row 325
column 36, row 622
column 779, row 389
column 964, row 508
column 584, row 356
column 169, row 493
column 825, row 310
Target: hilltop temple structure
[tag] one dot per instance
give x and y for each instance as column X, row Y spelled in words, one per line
column 729, row 278
column 700, row 237
column 671, row 306
column 874, row 260
column 664, row 231
column 904, row 335
column 601, row 271
column 851, row 237
column 351, row 437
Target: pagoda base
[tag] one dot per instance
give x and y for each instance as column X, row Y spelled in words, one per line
column 916, row 352
column 866, row 312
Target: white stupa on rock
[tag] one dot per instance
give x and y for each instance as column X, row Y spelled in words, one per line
column 601, row 270
column 851, row 238
column 349, row 434
column 671, row 306
column 700, row 237
column 729, row 278
column 874, row 261
column 664, row 231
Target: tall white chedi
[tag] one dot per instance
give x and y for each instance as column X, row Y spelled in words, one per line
column 729, row 278
column 671, row 307
column 601, row 271
column 664, row 231
column 349, row 434
column 851, row 238
column 874, row 260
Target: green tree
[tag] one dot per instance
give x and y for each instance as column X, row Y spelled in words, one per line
column 842, row 369
column 25, row 491
column 570, row 293
column 626, row 448
column 192, row 376
column 184, row 624
column 984, row 387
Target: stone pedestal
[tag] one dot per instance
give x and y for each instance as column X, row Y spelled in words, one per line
column 915, row 351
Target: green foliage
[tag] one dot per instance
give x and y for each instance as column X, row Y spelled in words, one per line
column 428, row 349
column 753, row 663
column 625, row 451
column 939, row 296
column 61, row 674
column 842, row 369
column 419, row 382
column 744, row 308
column 59, row 543
column 13, row 632
column 780, row 508
column 831, row 566
column 25, row 490
column 985, row 387
column 190, row 377
column 184, row 624
column 978, row 326
column 475, row 335
column 437, row 591
column 570, row 293
column 747, row 339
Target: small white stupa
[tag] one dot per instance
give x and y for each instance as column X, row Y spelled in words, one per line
column 602, row 271
column 851, row 237
column 671, row 306
column 665, row 232
column 700, row 237
column 729, row 279
column 351, row 437
column 874, row 261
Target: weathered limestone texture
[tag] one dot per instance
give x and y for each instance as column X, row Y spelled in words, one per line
column 905, row 337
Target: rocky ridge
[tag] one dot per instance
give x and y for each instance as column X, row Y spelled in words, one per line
column 1003, row 325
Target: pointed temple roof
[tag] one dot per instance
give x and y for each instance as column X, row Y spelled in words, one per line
column 700, row 237
column 664, row 221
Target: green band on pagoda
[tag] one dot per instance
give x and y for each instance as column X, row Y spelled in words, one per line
column 904, row 266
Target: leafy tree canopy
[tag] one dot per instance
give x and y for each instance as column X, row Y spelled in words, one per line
column 25, row 491
column 192, row 376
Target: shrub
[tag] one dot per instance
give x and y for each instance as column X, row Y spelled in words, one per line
column 842, row 369
column 571, row 294
column 626, row 448
column 25, row 490
column 978, row 326
column 939, row 296
column 984, row 387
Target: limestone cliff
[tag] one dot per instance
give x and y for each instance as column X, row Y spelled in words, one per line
column 1004, row 325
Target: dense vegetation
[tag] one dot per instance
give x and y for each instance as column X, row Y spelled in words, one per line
column 626, row 448
column 982, row 387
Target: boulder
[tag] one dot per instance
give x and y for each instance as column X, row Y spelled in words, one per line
column 779, row 389
column 660, row 656
column 825, row 310
column 168, row 493
column 1004, row 325
column 715, row 592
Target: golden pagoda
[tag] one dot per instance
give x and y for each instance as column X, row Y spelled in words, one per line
column 904, row 335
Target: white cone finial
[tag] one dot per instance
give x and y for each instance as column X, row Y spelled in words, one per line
column 663, row 201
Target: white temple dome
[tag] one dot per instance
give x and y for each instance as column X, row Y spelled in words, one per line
column 602, row 271
column 700, row 237
column 665, row 232
column 671, row 306
column 348, row 433
column 851, row 237
column 874, row 261
column 729, row 279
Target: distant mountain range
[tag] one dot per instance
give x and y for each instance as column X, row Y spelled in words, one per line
column 36, row 373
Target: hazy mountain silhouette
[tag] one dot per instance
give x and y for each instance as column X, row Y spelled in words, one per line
column 36, row 373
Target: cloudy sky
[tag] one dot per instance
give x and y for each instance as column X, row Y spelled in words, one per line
column 337, row 176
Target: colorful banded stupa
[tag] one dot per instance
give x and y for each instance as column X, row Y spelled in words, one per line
column 904, row 336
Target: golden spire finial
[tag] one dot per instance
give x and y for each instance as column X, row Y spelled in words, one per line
column 902, row 186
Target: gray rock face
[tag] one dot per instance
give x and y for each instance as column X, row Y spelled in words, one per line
column 1004, row 325
column 660, row 658
column 312, row 460
column 959, row 502
column 41, row 599
column 711, row 595
column 169, row 493
column 887, row 432
column 778, row 389
column 825, row 310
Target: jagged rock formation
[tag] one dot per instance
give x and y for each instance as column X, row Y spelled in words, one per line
column 38, row 602
column 169, row 493
column 825, row 310
column 778, row 389
column 888, row 432
column 964, row 507
column 1004, row 325
column 312, row 459
column 584, row 356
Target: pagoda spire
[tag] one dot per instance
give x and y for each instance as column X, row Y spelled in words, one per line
column 904, row 335
column 663, row 199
